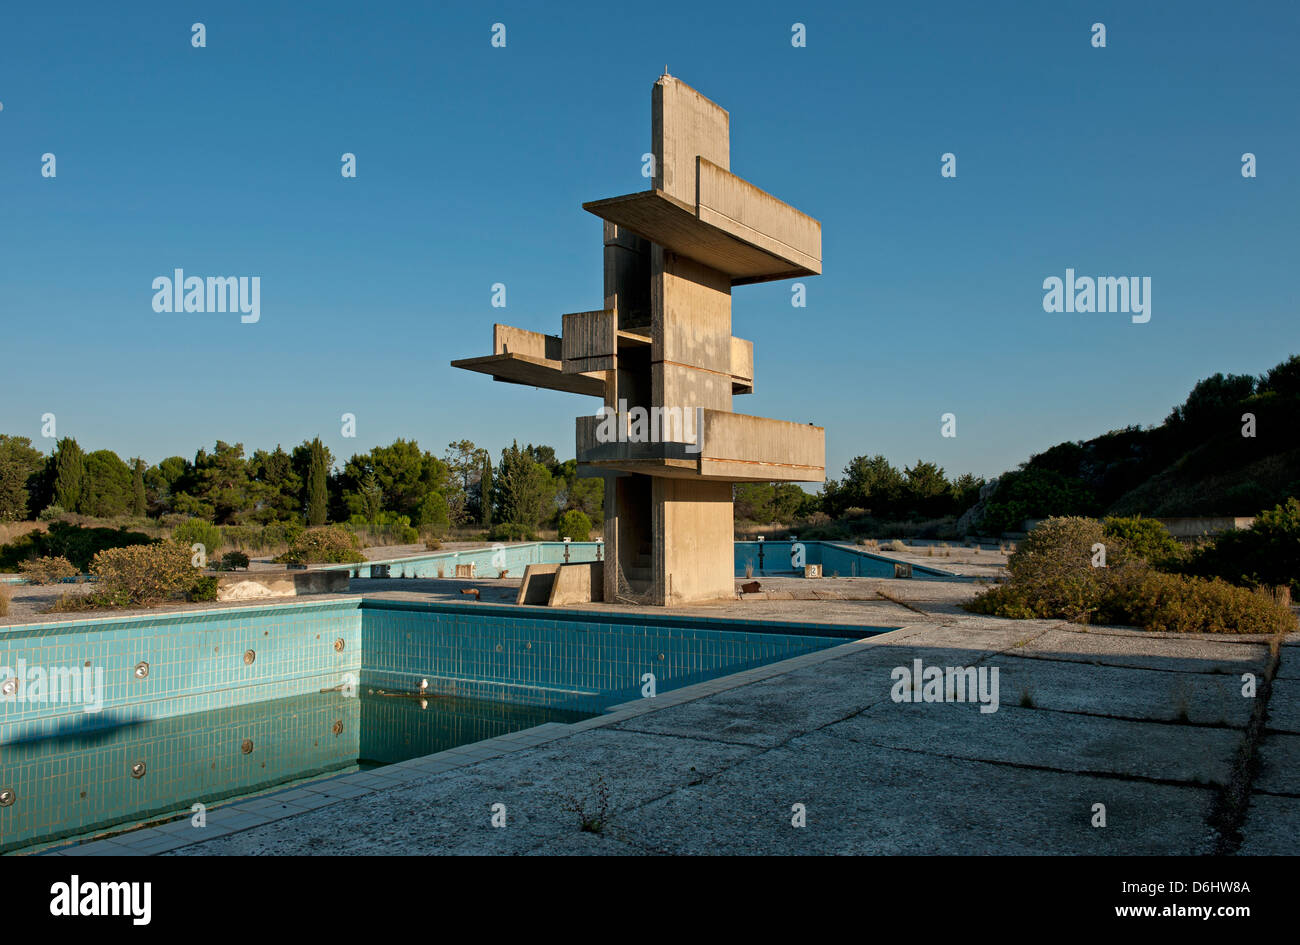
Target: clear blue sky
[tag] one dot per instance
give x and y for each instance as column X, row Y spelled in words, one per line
column 473, row 163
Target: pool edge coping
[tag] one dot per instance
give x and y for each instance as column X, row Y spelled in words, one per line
column 241, row 815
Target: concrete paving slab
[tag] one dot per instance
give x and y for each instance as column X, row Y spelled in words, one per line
column 1284, row 706
column 1059, row 740
column 1279, row 764
column 1289, row 666
column 1272, row 827
column 878, row 801
column 1123, row 692
column 1171, row 654
column 451, row 813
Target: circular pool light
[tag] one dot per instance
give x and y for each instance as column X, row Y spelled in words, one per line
column 141, row 670
column 249, row 656
column 137, row 770
column 339, row 644
column 9, row 687
column 7, row 798
column 247, row 746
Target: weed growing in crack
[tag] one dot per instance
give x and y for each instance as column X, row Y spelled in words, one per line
column 597, row 819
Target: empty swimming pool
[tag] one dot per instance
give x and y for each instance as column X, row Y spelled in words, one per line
column 110, row 722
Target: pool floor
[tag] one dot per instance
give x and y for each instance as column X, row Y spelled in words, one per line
column 82, row 784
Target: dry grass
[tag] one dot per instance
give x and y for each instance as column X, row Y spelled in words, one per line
column 11, row 530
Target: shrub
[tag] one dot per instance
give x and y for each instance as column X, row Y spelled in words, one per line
column 51, row 513
column 282, row 533
column 833, row 531
column 205, row 588
column 575, row 525
column 1173, row 603
column 1052, row 577
column 331, row 544
column 79, row 545
column 511, row 531
column 144, row 574
column 1145, row 537
column 234, row 559
column 1265, row 555
column 432, row 544
column 1052, row 573
column 47, row 570
column 196, row 531
column 5, row 593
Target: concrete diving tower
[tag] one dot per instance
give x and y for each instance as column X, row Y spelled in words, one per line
column 663, row 342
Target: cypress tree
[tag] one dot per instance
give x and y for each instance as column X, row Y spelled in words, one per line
column 137, row 488
column 69, row 475
column 317, row 485
column 485, row 492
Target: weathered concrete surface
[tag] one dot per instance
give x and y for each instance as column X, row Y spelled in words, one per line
column 1272, row 827
column 878, row 801
column 1135, row 648
column 577, row 584
column 1279, row 765
column 1122, row 692
column 537, row 583
column 1284, row 704
column 258, row 585
column 719, row 772
column 1036, row 738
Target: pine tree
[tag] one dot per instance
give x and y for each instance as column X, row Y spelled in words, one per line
column 317, row 485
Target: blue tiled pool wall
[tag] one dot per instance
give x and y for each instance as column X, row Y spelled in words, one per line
column 580, row 661
column 516, row 557
column 395, row 728
column 77, row 783
column 573, row 660
column 834, row 559
column 196, row 661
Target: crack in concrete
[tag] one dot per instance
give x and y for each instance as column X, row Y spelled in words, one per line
column 1228, row 815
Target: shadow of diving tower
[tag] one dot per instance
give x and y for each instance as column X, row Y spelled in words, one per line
column 663, row 340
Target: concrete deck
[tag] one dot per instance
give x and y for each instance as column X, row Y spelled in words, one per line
column 1149, row 725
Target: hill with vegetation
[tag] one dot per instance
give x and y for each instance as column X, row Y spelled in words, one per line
column 1232, row 448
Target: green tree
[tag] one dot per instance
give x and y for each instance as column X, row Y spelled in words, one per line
column 107, row 490
column 584, row 493
column 20, row 466
column 317, row 485
column 575, row 525
column 522, row 489
column 302, row 462
column 464, row 468
column 870, row 483
column 485, row 492
column 276, row 488
column 69, row 475
column 926, row 491
column 371, row 497
column 405, row 474
column 163, row 481
column 139, row 502
column 433, row 512
column 223, row 483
